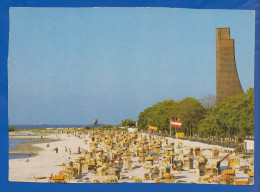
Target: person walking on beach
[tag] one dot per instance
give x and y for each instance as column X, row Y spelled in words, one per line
column 69, row 151
column 65, row 149
column 120, row 163
column 79, row 152
column 95, row 170
column 56, row 149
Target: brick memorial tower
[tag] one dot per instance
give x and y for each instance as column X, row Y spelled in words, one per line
column 227, row 80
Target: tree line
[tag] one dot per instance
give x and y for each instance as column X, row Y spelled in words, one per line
column 233, row 117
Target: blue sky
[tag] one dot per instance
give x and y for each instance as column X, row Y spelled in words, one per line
column 70, row 65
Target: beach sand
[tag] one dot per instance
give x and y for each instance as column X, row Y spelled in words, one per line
column 45, row 163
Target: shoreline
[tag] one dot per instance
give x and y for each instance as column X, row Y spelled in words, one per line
column 28, row 148
column 47, row 161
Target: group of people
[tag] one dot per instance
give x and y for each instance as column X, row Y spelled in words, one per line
column 66, row 149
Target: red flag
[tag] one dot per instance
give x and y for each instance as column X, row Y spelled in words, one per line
column 176, row 123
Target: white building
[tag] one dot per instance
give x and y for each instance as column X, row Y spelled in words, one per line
column 132, row 129
column 249, row 146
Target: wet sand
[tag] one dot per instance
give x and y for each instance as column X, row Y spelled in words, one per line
column 28, row 148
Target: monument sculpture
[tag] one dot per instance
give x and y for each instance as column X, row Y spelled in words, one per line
column 227, row 79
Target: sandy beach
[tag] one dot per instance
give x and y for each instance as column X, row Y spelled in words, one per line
column 47, row 160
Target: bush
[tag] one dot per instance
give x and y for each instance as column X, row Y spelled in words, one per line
column 106, row 126
column 11, row 129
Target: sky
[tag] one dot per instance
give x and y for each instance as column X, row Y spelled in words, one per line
column 71, row 65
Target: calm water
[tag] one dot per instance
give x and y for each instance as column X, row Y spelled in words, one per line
column 12, row 143
column 25, row 135
column 19, row 156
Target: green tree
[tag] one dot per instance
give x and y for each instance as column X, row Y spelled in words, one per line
column 87, row 127
column 189, row 109
column 160, row 113
column 191, row 112
column 204, row 127
column 239, row 114
column 11, row 128
column 106, row 126
column 127, row 123
column 233, row 117
column 143, row 118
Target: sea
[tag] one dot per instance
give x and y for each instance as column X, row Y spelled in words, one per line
column 43, row 126
column 13, row 143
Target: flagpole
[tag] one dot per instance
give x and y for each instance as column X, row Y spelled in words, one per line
column 175, row 131
column 149, row 136
column 170, row 129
